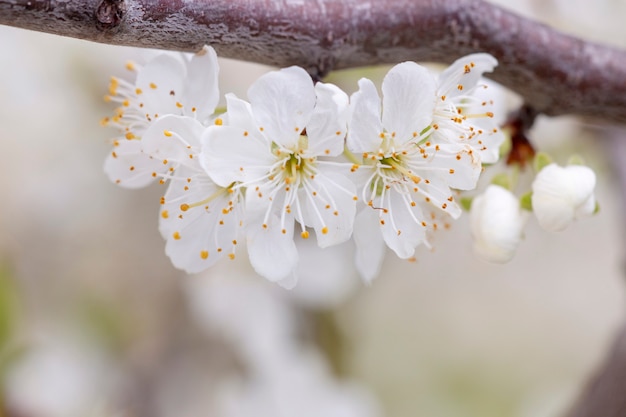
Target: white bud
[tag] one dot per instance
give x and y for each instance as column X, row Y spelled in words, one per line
column 563, row 194
column 496, row 222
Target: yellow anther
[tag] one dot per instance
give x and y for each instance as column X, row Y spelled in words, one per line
column 305, row 234
column 219, row 122
column 167, row 133
column 204, row 254
column 184, row 207
column 176, row 235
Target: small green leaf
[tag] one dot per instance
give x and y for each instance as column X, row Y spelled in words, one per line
column 466, row 203
column 526, row 201
column 541, row 160
column 576, row 160
column 503, row 180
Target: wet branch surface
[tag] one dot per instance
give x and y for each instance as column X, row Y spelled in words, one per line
column 555, row 73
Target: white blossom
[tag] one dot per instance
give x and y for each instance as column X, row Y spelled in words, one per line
column 497, row 223
column 403, row 171
column 199, row 219
column 167, row 85
column 464, row 113
column 271, row 147
column 563, row 194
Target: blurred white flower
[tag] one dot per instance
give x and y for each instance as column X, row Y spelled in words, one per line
column 563, row 194
column 463, row 112
column 60, row 380
column 285, row 376
column 302, row 386
column 270, row 147
column 402, row 169
column 497, row 223
column 169, row 84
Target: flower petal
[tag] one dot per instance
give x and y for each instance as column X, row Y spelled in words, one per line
column 327, row 128
column 173, row 139
column 199, row 235
column 456, row 165
column 364, row 121
column 282, row 103
column 370, row 246
column 231, row 154
column 464, row 74
column 328, row 206
column 201, row 89
column 400, row 224
column 273, row 254
column 157, row 80
column 129, row 167
column 408, row 100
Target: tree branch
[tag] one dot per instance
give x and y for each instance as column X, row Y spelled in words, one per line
column 555, row 73
column 604, row 395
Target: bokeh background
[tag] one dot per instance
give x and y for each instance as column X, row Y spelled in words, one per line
column 94, row 320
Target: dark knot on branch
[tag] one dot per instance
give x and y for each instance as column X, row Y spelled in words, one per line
column 109, row 14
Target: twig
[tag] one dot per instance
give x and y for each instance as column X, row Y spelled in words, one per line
column 555, row 73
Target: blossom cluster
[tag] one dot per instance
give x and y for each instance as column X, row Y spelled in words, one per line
column 301, row 156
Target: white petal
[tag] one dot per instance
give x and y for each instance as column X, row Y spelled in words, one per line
column 457, row 165
column 173, row 138
column 491, row 97
column 559, row 192
column 401, row 232
column 201, row 86
column 364, row 122
column 282, row 102
column 464, row 74
column 408, row 100
column 327, row 128
column 157, row 80
column 587, row 208
column 199, row 236
column 231, row 154
column 496, row 223
column 239, row 114
column 290, row 281
column 328, row 205
column 129, row 167
column 273, row 254
column 370, row 246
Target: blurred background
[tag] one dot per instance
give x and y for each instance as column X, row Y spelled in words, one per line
column 94, row 320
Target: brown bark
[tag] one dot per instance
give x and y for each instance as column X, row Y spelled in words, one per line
column 605, row 393
column 555, row 73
